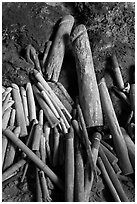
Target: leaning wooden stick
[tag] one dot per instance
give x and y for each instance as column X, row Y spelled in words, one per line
column 86, row 140
column 58, row 109
column 56, row 147
column 89, row 175
column 31, row 102
column 113, row 177
column 44, row 188
column 6, row 118
column 57, row 50
column 88, row 89
column 8, row 133
column 118, row 139
column 111, row 157
column 12, row 169
column 40, row 79
column 79, row 172
column 20, row 117
column 130, row 146
column 11, row 150
column 69, row 166
column 12, row 117
column 5, row 102
column 53, row 121
column 25, row 104
column 108, row 181
column 37, row 137
column 117, row 73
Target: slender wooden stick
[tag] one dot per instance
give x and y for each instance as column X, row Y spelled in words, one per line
column 107, row 145
column 8, row 133
column 69, row 166
column 37, row 137
column 87, row 83
column 25, row 104
column 50, row 104
column 113, row 177
column 64, row 128
column 89, row 176
column 5, row 102
column 118, row 139
column 38, row 187
column 11, row 150
column 60, row 111
column 108, row 181
column 20, row 117
column 43, row 148
column 31, row 102
column 56, row 147
column 57, row 50
column 12, row 117
column 53, row 121
column 44, row 188
column 111, row 157
column 116, row 169
column 39, row 78
column 41, row 118
column 12, row 169
column 122, row 95
column 86, row 139
column 130, row 146
column 5, row 118
column 79, row 173
column 117, row 73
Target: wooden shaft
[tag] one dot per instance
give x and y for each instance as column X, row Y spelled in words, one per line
column 37, row 137
column 41, row 118
column 89, row 175
column 111, row 157
column 24, row 172
column 25, row 104
column 59, row 110
column 113, row 177
column 116, row 169
column 118, row 139
column 53, row 121
column 20, row 117
column 69, row 166
column 44, row 187
column 8, row 133
column 40, row 79
column 86, row 139
column 5, row 118
column 31, row 102
column 108, row 181
column 64, row 128
column 50, row 104
column 88, row 89
column 12, row 169
column 11, row 150
column 5, row 102
column 130, row 146
column 38, row 187
column 57, row 50
column 107, row 145
column 117, row 73
column 79, row 173
column 12, row 117
column 56, row 147
column 43, row 148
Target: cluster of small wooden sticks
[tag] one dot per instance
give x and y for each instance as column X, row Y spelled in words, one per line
column 36, row 122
